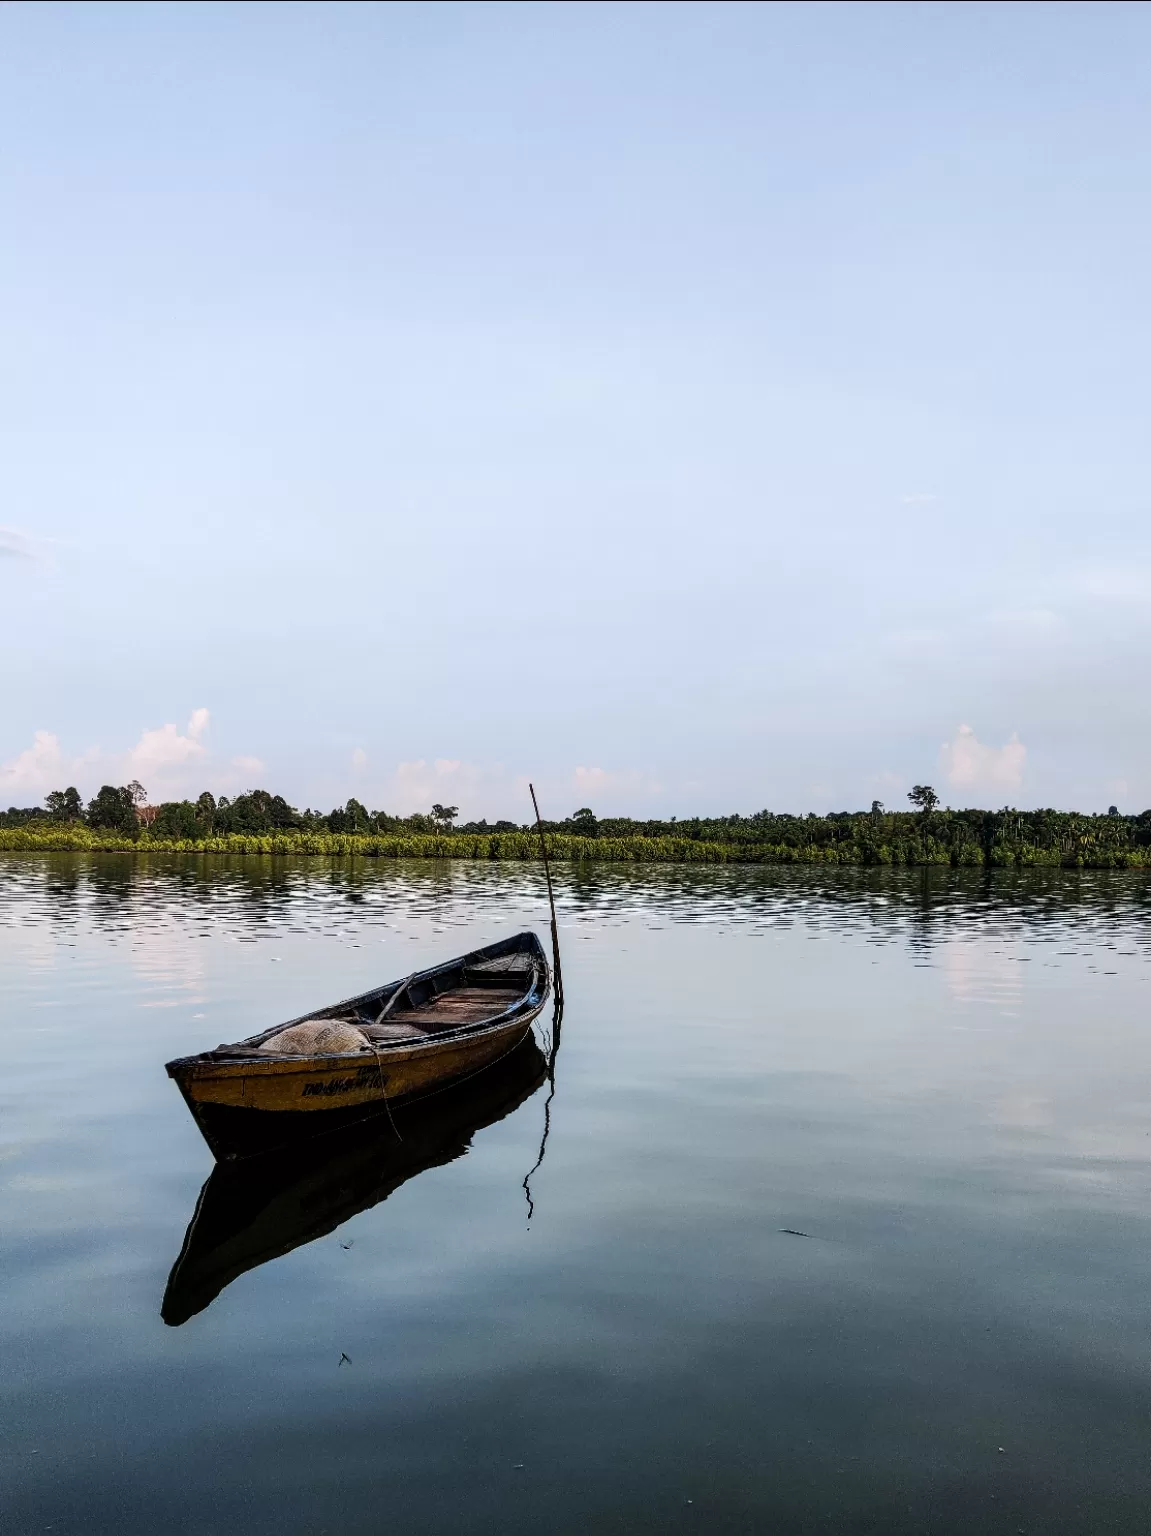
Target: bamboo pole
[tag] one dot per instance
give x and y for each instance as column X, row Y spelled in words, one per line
column 559, row 986
column 557, row 1015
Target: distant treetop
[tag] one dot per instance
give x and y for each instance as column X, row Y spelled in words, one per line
column 924, row 797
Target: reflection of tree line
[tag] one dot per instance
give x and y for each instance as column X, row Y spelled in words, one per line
column 995, row 839
column 258, row 893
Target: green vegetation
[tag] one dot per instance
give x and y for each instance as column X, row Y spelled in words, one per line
column 117, row 819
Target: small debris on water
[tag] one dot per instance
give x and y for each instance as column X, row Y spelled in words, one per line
column 791, row 1232
column 1002, row 1450
column 348, row 1244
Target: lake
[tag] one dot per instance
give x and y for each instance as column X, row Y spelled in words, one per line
column 843, row 1222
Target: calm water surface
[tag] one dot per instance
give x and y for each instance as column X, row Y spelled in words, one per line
column 942, row 1082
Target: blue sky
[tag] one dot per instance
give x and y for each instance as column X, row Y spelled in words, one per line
column 694, row 408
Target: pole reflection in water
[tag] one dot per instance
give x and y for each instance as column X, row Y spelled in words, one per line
column 254, row 1211
column 552, row 1045
column 553, row 1040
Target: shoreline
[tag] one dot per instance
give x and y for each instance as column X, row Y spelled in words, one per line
column 521, row 847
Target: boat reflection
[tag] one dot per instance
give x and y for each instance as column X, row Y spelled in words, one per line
column 254, row 1211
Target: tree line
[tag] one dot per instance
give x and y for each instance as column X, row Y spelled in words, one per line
column 925, row 834
column 124, row 809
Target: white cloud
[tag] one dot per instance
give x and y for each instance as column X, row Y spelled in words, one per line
column 1118, row 583
column 970, row 765
column 887, row 783
column 37, row 768
column 417, row 785
column 169, row 763
column 1026, row 623
column 486, row 790
column 164, row 748
column 620, row 791
column 919, row 499
column 359, row 760
column 15, row 545
column 492, row 791
column 591, row 781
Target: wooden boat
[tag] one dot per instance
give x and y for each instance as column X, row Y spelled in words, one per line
column 398, row 1042
column 257, row 1209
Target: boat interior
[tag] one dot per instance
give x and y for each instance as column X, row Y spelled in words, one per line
column 467, row 993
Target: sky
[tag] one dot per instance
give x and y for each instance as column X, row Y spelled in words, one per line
column 691, row 408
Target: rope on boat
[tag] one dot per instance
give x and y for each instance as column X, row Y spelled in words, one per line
column 383, row 1090
column 380, row 1017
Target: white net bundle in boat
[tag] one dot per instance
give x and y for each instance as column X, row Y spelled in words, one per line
column 313, row 1036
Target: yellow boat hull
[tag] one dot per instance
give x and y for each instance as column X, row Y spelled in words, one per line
column 314, row 1086
column 451, row 1022
column 249, row 1107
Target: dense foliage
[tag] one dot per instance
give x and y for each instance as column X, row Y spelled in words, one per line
column 260, row 822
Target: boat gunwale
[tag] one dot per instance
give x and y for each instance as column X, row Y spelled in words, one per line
column 215, row 1062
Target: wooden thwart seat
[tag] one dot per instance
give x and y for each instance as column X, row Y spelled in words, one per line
column 463, row 1005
